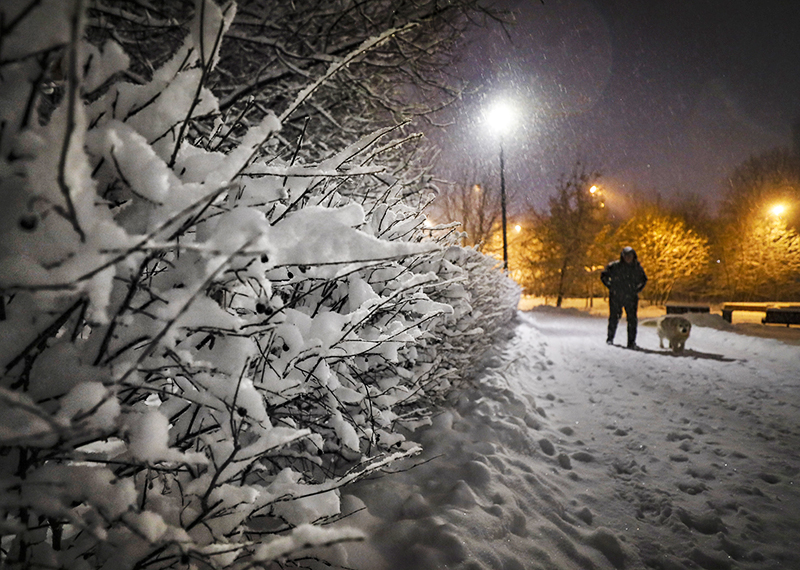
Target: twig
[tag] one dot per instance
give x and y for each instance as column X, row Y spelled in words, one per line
column 42, row 337
column 72, row 101
column 200, row 290
column 207, row 65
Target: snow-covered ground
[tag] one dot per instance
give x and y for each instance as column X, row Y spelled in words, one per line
column 570, row 454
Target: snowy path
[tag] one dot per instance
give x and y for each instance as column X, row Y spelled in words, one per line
column 575, row 455
column 700, row 450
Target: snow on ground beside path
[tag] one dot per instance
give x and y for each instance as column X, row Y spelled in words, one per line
column 571, row 454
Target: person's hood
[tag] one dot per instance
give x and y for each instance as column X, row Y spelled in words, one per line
column 625, row 250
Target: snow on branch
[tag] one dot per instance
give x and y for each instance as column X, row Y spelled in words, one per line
column 203, row 339
column 339, row 65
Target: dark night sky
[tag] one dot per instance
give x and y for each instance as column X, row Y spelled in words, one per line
column 662, row 96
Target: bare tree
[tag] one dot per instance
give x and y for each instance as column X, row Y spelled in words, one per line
column 570, row 229
column 761, row 183
column 694, row 210
column 474, row 202
column 273, row 48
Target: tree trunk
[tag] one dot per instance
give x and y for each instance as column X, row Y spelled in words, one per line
column 561, row 281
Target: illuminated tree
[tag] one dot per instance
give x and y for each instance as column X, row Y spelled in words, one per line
column 525, row 249
column 671, row 253
column 758, row 241
column 760, row 260
column 569, row 233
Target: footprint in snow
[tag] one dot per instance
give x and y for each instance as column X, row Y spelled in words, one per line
column 676, row 436
column 769, row 478
column 547, row 446
column 692, row 488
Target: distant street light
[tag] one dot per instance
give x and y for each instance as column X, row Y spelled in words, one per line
column 501, row 117
column 778, row 210
column 597, row 193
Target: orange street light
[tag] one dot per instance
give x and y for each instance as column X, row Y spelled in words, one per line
column 778, row 210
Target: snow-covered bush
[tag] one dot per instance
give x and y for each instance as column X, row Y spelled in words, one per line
column 199, row 349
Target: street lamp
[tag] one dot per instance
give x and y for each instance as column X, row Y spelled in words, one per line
column 778, row 210
column 596, row 192
column 501, row 117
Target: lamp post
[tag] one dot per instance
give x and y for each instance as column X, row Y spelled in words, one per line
column 503, row 205
column 500, row 117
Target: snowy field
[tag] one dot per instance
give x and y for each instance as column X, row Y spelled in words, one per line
column 571, row 454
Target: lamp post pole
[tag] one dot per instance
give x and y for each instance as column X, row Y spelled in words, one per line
column 501, row 117
column 503, row 206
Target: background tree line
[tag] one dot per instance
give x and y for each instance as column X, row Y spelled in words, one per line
column 749, row 250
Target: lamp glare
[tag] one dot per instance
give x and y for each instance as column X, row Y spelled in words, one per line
column 501, row 117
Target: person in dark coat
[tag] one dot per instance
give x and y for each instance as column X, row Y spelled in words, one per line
column 624, row 278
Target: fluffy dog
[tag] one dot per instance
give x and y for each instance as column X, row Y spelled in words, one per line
column 675, row 329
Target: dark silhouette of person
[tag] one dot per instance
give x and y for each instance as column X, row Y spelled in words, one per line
column 624, row 278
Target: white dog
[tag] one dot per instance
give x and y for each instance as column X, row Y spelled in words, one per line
column 675, row 329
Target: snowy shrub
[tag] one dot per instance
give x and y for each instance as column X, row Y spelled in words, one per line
column 199, row 349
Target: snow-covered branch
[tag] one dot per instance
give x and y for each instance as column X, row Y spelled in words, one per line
column 205, row 338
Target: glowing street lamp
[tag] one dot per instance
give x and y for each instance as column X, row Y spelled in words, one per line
column 778, row 210
column 603, row 195
column 501, row 118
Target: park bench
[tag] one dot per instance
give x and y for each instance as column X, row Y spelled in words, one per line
column 729, row 308
column 680, row 309
column 782, row 315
